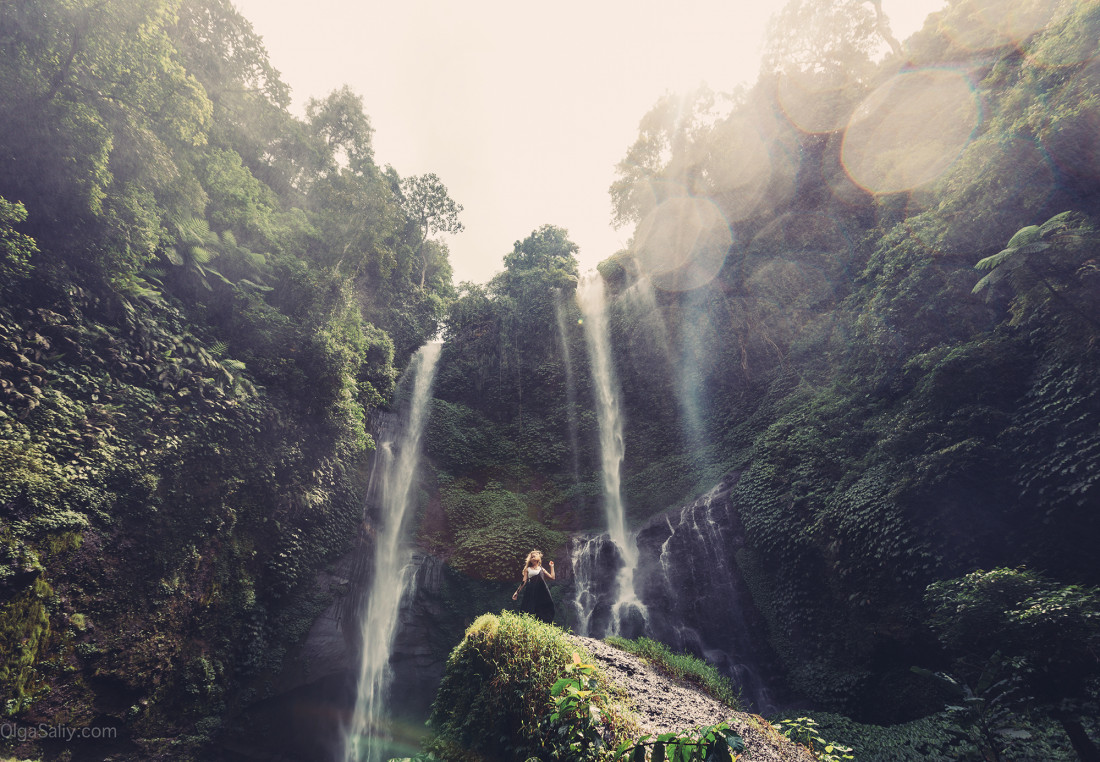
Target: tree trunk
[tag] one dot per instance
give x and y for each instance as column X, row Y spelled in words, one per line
column 882, row 26
column 1082, row 744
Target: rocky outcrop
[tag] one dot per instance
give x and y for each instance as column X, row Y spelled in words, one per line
column 695, row 598
column 662, row 705
column 698, row 601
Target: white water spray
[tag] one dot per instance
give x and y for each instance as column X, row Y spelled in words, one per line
column 592, row 301
column 683, row 365
column 391, row 568
column 570, row 384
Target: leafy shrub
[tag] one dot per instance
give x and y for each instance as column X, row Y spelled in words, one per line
column 936, row 738
column 16, row 249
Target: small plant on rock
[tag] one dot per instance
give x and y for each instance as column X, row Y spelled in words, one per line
column 803, row 730
column 575, row 719
column 714, row 743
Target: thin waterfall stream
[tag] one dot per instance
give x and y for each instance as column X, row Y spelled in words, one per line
column 363, row 740
column 570, row 383
column 592, row 300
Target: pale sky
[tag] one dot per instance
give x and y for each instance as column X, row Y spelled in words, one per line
column 522, row 109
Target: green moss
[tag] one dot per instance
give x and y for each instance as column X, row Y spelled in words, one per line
column 24, row 640
column 496, row 691
column 493, row 531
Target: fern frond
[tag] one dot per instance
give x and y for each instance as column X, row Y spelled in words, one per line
column 1034, row 248
column 1024, row 236
column 987, row 281
column 995, row 260
column 1060, row 223
column 219, row 276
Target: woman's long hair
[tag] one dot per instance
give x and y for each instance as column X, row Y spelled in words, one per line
column 531, row 557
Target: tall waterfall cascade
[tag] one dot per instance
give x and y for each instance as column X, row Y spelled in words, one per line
column 391, row 489
column 674, row 578
column 591, row 298
column 570, row 383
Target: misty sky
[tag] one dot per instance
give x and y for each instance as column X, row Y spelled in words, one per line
column 522, row 109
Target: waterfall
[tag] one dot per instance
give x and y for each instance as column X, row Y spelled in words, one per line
column 699, row 600
column 570, row 383
column 694, row 348
column 398, row 458
column 684, row 364
column 592, row 302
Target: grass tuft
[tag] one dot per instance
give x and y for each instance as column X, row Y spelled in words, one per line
column 683, row 667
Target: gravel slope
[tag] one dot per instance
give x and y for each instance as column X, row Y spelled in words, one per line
column 663, row 705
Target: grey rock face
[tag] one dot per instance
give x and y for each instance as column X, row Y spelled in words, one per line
column 695, row 597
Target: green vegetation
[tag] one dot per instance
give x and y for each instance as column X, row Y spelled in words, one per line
column 804, row 730
column 682, row 667
column 1024, row 642
column 204, row 299
column 940, row 738
column 495, row 699
column 714, row 742
column 491, row 528
column 575, row 723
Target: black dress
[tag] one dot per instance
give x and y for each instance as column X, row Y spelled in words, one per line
column 536, row 597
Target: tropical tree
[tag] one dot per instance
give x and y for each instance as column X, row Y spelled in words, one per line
column 1047, row 635
column 1046, row 268
column 124, row 114
column 827, row 35
column 668, row 157
column 432, row 210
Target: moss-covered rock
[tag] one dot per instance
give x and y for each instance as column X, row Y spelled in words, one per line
column 495, row 694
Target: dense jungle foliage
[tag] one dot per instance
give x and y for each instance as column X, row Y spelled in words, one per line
column 203, row 299
column 895, row 345
column 869, row 285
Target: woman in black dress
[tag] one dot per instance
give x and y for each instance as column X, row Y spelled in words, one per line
column 536, row 593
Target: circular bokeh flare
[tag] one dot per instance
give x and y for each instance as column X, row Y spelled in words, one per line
column 910, row 130
column 682, row 244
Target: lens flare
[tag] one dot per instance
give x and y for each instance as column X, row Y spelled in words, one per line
column 795, row 262
column 647, row 193
column 682, row 243
column 816, row 101
column 840, row 184
column 986, row 24
column 909, row 130
column 738, row 170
